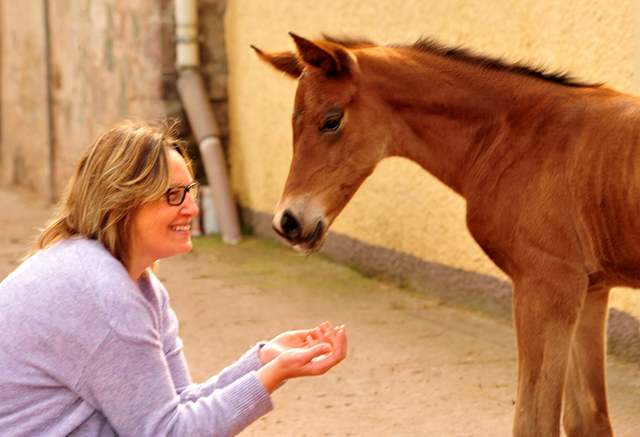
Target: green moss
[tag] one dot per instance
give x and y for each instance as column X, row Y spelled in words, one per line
column 267, row 265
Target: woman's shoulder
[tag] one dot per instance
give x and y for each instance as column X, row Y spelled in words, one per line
column 80, row 249
column 79, row 276
column 72, row 252
column 78, row 262
column 72, row 270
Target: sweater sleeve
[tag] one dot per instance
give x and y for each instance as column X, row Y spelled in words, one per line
column 249, row 362
column 129, row 381
column 172, row 347
column 134, row 377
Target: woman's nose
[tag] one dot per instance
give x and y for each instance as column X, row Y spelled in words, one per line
column 189, row 206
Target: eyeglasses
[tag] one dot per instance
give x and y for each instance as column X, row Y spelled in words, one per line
column 176, row 195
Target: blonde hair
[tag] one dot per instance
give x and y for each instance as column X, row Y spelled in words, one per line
column 125, row 167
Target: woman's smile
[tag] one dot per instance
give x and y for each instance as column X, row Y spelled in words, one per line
column 161, row 230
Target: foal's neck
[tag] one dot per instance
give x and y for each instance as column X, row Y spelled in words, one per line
column 450, row 110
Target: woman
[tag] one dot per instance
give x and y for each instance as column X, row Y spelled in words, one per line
column 89, row 343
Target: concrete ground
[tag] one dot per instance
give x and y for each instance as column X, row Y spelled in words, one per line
column 415, row 367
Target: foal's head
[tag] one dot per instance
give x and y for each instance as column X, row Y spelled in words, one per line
column 337, row 138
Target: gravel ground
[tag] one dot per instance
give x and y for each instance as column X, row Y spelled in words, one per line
column 415, row 367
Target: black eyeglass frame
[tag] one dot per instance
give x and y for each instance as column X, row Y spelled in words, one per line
column 185, row 190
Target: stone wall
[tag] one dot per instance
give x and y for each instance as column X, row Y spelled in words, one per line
column 108, row 60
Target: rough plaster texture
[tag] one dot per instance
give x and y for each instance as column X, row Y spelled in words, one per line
column 23, row 98
column 401, row 207
column 110, row 59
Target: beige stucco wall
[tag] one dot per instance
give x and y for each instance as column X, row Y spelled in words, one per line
column 400, row 206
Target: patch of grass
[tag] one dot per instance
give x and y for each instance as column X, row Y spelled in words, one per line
column 269, row 264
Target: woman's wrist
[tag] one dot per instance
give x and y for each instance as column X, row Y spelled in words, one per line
column 269, row 376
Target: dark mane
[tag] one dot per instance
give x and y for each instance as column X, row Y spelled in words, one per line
column 430, row 45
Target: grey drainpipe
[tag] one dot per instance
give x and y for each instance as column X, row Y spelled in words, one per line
column 202, row 120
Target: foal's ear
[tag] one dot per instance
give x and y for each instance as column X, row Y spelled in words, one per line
column 287, row 62
column 332, row 58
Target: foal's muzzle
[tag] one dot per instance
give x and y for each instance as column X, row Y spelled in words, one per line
column 293, row 230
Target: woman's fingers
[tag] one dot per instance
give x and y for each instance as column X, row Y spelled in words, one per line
column 340, row 345
column 321, row 334
column 307, row 338
column 338, row 352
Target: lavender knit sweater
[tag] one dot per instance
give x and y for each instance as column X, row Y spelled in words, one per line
column 85, row 351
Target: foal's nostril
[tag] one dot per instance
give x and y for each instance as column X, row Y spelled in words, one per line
column 290, row 226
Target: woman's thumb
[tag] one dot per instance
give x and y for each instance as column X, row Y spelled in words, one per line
column 317, row 350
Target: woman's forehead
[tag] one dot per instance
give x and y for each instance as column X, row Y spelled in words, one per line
column 180, row 173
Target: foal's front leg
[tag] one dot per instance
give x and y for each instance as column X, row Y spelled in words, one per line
column 585, row 395
column 546, row 308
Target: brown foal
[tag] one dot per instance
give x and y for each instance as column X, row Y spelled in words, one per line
column 550, row 169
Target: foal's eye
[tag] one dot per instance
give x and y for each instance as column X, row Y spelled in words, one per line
column 331, row 124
